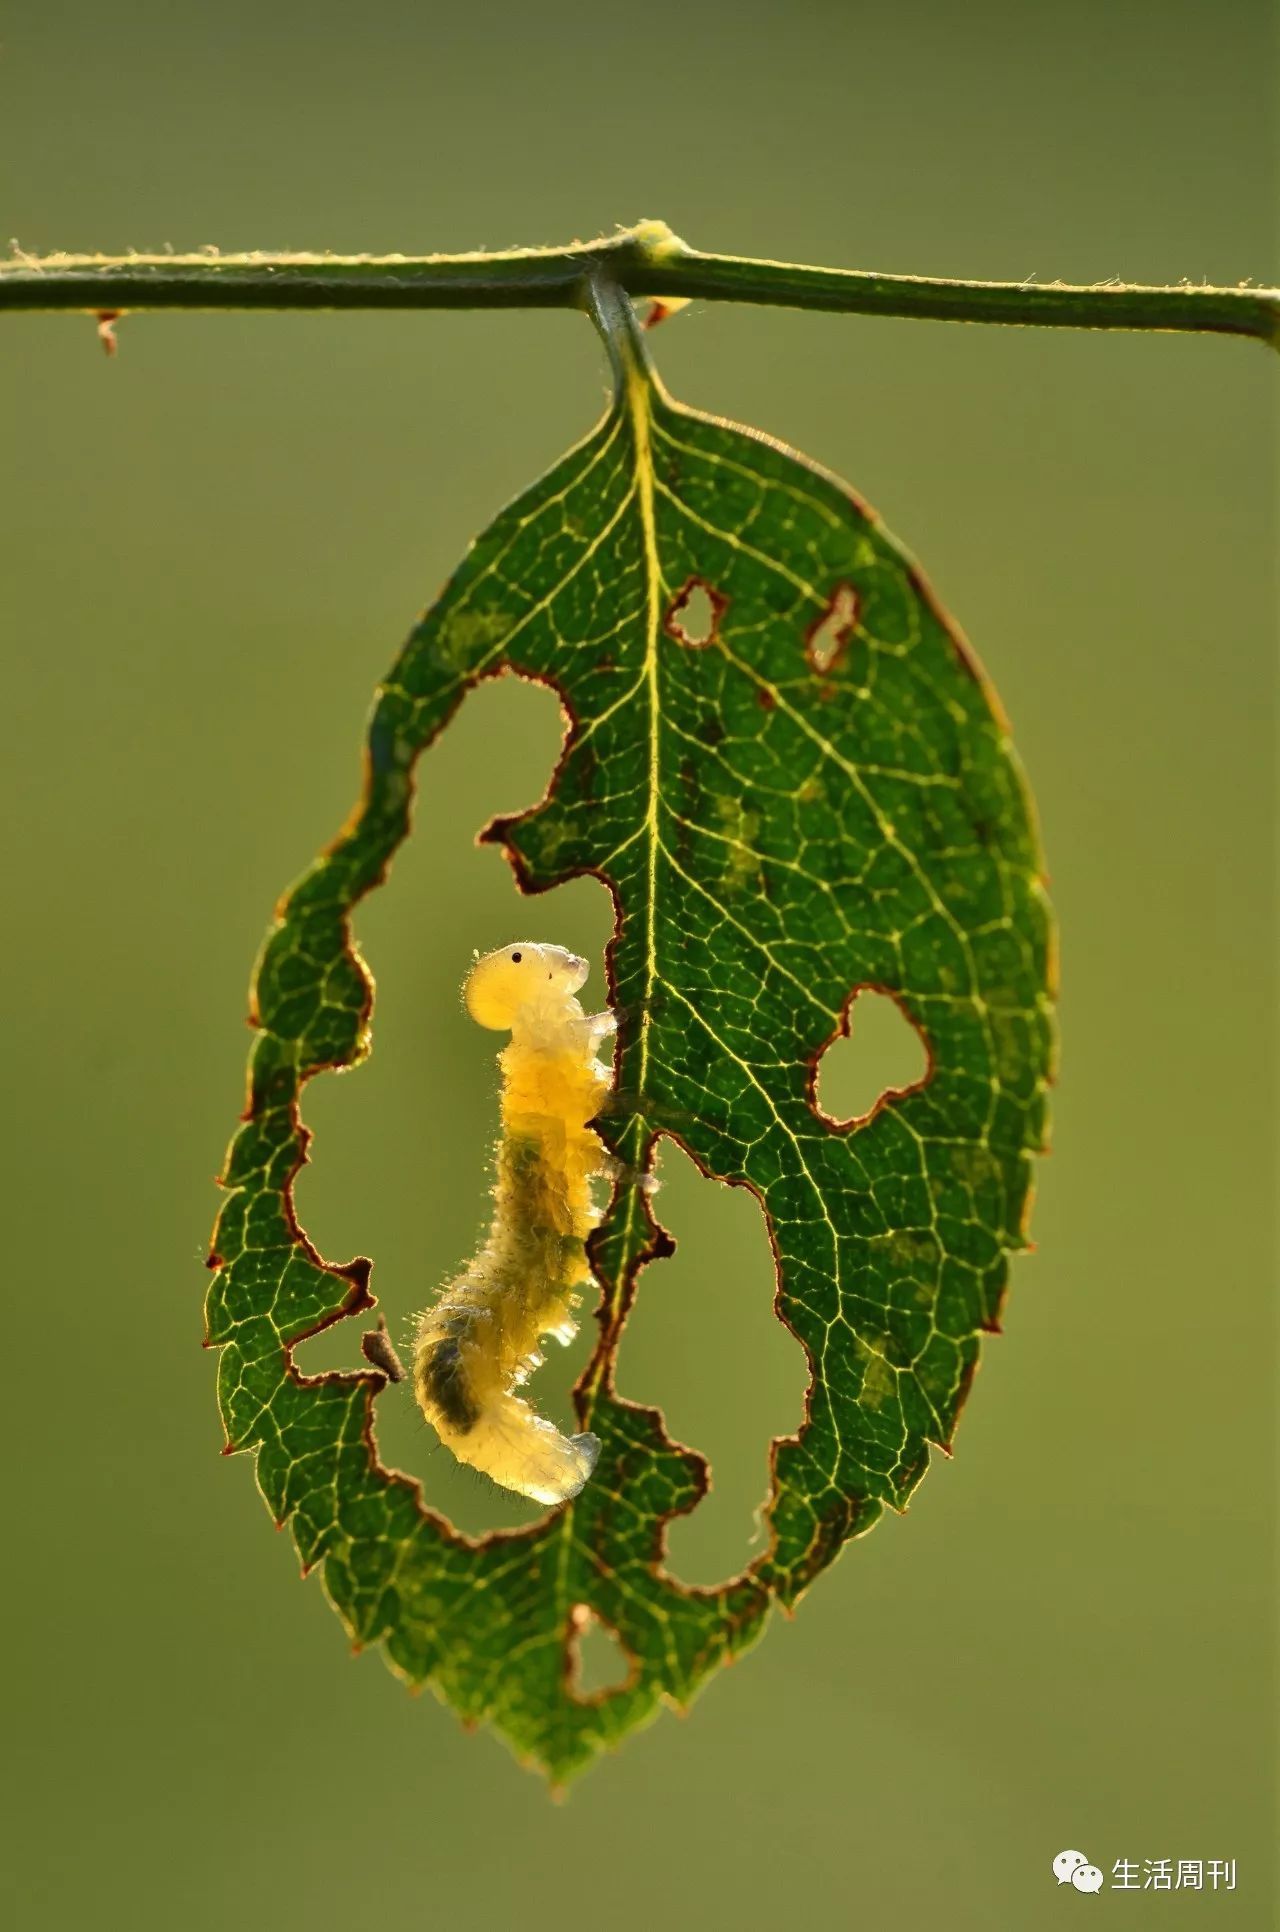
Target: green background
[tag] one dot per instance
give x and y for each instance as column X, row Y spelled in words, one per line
column 211, row 550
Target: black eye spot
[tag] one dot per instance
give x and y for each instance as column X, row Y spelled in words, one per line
column 515, row 959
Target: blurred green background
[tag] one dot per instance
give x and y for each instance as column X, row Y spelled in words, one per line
column 212, row 548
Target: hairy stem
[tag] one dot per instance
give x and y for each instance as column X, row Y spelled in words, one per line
column 645, row 260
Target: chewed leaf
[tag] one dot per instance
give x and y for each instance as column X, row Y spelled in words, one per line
column 792, row 776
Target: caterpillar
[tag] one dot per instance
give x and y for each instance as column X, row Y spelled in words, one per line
column 480, row 1342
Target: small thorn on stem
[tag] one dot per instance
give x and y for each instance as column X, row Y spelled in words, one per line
column 661, row 308
column 107, row 319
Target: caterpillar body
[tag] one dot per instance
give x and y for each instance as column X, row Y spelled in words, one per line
column 481, row 1341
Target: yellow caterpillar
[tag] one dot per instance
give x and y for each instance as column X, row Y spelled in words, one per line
column 480, row 1342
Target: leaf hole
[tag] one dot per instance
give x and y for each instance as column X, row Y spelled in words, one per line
column 402, row 1157
column 878, row 1054
column 599, row 1664
column 693, row 617
column 704, row 1344
column 828, row 637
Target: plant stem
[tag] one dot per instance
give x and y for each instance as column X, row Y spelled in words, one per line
column 646, row 260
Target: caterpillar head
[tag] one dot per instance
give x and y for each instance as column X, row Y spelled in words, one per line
column 519, row 978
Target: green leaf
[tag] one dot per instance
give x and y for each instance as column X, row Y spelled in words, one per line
column 815, row 795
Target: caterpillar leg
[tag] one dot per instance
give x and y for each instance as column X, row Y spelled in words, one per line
column 600, row 1026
